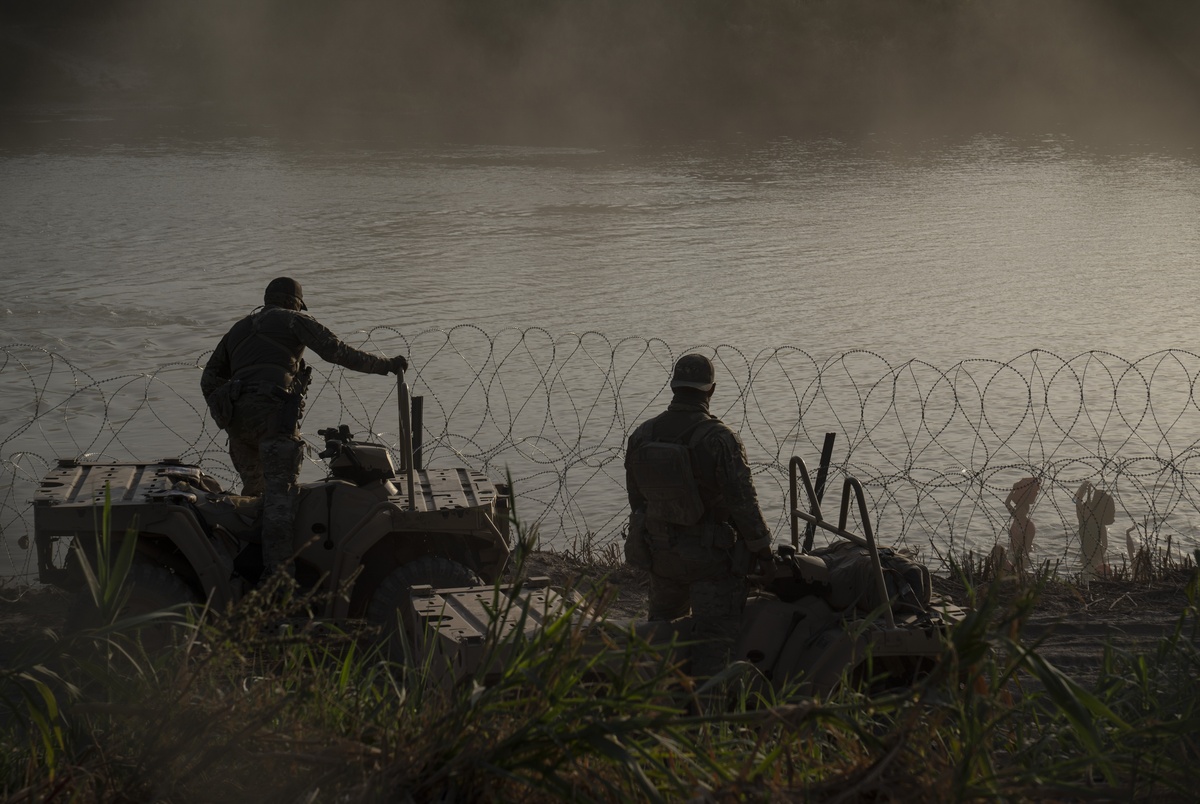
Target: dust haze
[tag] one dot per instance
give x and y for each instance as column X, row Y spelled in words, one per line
column 603, row 70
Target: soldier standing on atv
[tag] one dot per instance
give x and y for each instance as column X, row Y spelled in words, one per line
column 695, row 521
column 254, row 386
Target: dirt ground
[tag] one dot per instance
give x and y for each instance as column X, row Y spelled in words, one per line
column 1071, row 624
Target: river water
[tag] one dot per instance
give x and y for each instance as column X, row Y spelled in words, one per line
column 979, row 249
column 125, row 254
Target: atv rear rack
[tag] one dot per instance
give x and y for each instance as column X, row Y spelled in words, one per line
column 798, row 470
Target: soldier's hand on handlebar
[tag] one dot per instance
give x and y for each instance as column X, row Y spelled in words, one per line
column 398, row 364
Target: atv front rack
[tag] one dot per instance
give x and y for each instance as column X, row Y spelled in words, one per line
column 798, row 470
column 459, row 631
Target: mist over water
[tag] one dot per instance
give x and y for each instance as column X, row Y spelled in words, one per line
column 607, row 71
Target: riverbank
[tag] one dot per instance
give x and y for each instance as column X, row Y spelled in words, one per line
column 1071, row 626
column 258, row 711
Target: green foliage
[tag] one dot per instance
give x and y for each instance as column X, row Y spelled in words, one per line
column 264, row 703
column 106, row 579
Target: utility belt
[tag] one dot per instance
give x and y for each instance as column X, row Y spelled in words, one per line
column 647, row 537
column 238, row 389
column 286, row 418
column 718, row 537
column 298, row 386
column 706, row 533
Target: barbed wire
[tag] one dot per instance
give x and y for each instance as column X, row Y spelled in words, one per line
column 938, row 450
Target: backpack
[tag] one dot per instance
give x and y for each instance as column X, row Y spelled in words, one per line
column 667, row 479
column 853, row 583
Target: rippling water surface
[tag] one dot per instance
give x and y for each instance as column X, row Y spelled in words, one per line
column 128, row 255
column 979, row 250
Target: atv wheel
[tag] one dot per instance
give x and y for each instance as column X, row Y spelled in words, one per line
column 391, row 597
column 151, row 588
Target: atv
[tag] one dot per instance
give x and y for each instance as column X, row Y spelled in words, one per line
column 366, row 534
column 848, row 611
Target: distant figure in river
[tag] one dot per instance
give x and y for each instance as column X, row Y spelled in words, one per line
column 1096, row 511
column 1019, row 502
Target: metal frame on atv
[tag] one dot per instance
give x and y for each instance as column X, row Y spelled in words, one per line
column 847, row 611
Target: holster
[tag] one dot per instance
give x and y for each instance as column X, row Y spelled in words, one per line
column 286, row 420
column 303, row 379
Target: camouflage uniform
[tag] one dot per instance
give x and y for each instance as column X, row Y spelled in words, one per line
column 254, row 384
column 700, row 568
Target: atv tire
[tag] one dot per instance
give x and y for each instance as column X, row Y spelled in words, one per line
column 391, row 597
column 151, row 588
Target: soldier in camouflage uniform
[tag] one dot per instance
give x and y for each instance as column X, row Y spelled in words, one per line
column 695, row 521
column 254, row 386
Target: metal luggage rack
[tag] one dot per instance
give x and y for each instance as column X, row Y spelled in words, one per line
column 798, row 469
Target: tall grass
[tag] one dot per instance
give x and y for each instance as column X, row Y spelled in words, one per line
column 261, row 703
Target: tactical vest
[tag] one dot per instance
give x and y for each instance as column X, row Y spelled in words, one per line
column 257, row 352
column 666, row 476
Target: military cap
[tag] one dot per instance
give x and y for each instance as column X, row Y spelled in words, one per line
column 693, row 371
column 284, row 290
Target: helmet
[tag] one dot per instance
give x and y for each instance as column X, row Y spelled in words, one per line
column 285, row 292
column 694, row 371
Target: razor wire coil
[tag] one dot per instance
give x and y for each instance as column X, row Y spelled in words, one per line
column 937, row 449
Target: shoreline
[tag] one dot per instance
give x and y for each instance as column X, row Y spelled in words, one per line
column 1070, row 626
